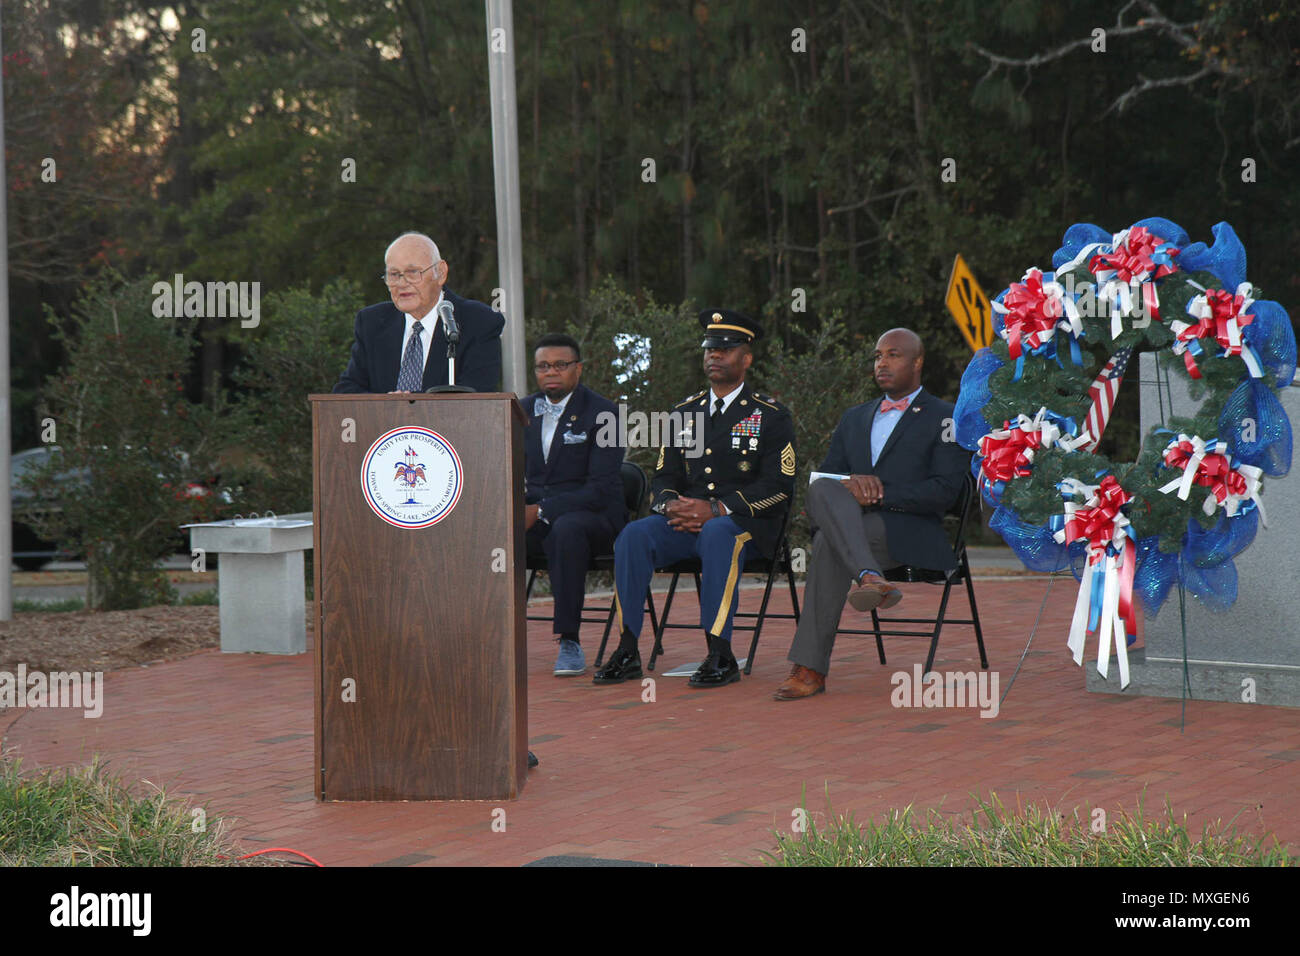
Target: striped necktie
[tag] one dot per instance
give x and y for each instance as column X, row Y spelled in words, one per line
column 411, row 377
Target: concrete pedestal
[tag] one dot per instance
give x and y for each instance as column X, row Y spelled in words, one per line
column 1253, row 649
column 261, row 583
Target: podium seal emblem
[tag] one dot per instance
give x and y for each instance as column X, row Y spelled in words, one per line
column 411, row 477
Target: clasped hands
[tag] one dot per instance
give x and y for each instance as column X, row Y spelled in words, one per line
column 687, row 514
column 867, row 489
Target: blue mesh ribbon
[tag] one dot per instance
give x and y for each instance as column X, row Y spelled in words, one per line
column 975, row 394
column 1226, row 258
column 1077, row 238
column 1257, row 429
column 1168, row 230
column 1034, row 545
column 1273, row 340
column 1156, row 573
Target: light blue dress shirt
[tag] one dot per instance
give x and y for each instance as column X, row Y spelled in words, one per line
column 882, row 426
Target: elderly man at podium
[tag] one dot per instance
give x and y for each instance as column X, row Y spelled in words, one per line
column 401, row 346
column 574, row 494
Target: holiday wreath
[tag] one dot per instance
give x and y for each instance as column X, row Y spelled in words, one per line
column 1033, row 408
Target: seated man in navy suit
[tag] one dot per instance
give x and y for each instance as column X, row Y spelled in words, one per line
column 905, row 470
column 401, row 346
column 574, row 493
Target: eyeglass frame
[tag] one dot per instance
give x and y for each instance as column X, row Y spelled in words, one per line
column 419, row 274
column 541, row 368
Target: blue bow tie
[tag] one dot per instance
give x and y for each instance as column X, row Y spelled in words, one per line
column 544, row 407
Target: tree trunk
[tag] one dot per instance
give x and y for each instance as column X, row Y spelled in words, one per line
column 579, row 205
column 850, row 180
column 688, row 98
column 927, row 170
column 773, row 275
column 538, row 76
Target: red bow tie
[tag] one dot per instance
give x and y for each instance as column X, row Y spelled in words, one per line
column 889, row 405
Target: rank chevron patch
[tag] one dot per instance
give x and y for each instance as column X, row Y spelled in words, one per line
column 787, row 459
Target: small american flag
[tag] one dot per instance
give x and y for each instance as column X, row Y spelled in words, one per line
column 1102, row 395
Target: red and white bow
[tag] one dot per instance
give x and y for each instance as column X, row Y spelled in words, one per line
column 1033, row 310
column 1220, row 314
column 1203, row 464
column 1134, row 261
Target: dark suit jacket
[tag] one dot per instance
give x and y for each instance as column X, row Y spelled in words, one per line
column 378, row 339
column 922, row 474
column 580, row 475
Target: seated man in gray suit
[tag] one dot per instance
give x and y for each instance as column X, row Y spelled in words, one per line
column 905, row 469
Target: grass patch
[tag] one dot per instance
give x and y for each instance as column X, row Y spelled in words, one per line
column 52, row 607
column 87, row 817
column 198, row 598
column 1030, row 836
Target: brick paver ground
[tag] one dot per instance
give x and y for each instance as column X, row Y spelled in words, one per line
column 700, row 777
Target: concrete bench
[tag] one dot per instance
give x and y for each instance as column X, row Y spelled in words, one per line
column 260, row 585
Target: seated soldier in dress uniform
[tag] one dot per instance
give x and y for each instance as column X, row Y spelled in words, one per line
column 722, row 505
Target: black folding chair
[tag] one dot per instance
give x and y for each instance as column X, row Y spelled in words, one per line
column 635, row 499
column 961, row 511
column 780, row 564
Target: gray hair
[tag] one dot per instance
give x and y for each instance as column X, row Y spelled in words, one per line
column 432, row 246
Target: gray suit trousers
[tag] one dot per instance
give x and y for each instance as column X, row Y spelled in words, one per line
column 849, row 540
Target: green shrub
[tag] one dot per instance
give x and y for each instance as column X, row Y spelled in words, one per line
column 130, row 444
column 821, row 379
column 300, row 348
column 637, row 351
column 198, row 598
column 50, row 607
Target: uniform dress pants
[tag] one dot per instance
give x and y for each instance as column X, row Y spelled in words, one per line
column 722, row 547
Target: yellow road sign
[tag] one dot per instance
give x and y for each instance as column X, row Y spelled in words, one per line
column 969, row 306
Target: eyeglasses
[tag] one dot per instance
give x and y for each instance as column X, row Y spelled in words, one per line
column 542, row 367
column 393, row 277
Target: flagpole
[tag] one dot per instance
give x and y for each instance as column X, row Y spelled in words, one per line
column 6, row 501
column 505, row 165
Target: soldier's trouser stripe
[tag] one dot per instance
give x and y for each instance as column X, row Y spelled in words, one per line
column 729, row 592
column 618, row 615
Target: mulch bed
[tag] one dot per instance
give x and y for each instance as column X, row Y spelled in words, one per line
column 105, row 641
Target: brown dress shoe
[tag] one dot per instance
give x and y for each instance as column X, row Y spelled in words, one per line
column 802, row 682
column 874, row 593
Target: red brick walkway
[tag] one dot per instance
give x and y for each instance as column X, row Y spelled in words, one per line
column 700, row 777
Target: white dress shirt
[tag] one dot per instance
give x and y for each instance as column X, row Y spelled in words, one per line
column 549, row 424
column 426, row 334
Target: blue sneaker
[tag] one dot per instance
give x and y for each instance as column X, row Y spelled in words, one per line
column 571, row 661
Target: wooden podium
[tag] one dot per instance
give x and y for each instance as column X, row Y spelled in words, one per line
column 421, row 690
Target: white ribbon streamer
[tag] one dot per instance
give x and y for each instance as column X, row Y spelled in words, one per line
column 1110, row 629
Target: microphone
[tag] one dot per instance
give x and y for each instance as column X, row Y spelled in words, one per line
column 447, row 313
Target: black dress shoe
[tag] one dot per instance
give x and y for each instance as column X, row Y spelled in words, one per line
column 622, row 665
column 717, row 671
column 532, row 760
